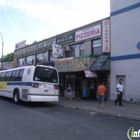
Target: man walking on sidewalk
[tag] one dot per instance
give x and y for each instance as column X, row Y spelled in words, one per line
column 101, row 92
column 120, row 90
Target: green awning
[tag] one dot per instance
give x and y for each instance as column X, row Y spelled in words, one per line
column 101, row 63
column 86, row 56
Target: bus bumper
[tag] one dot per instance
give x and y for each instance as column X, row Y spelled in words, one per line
column 33, row 98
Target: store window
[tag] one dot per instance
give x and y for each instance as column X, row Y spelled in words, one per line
column 41, row 57
column 81, row 49
column 77, row 50
column 29, row 59
column 68, row 51
column 67, row 54
column 96, row 47
column 20, row 61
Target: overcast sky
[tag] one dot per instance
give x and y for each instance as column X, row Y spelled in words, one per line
column 32, row 20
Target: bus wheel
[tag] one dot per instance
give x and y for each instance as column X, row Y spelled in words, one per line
column 16, row 97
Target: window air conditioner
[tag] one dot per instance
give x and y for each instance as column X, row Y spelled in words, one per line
column 66, row 48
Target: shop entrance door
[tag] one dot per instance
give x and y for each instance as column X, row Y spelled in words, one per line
column 78, row 88
column 93, row 88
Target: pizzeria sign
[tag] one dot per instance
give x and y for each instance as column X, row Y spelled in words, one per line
column 88, row 33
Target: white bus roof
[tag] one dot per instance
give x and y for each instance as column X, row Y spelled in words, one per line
column 27, row 67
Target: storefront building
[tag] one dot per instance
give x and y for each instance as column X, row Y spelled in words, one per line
column 33, row 54
column 125, row 47
column 83, row 49
column 83, row 63
column 73, row 71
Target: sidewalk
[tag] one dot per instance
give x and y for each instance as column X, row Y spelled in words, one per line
column 129, row 110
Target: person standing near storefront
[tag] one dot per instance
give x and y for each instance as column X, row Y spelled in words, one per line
column 69, row 92
column 120, row 90
column 101, row 92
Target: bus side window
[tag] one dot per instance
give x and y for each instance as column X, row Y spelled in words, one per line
column 16, row 75
column 9, row 76
column 6, row 76
column 3, row 76
column 20, row 75
column 13, row 75
column 0, row 76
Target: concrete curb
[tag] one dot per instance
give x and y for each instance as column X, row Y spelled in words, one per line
column 103, row 113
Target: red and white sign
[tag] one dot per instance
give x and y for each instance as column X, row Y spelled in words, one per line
column 88, row 33
column 106, row 36
column 57, row 50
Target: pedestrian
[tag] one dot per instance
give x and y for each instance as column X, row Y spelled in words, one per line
column 100, row 93
column 69, row 92
column 120, row 90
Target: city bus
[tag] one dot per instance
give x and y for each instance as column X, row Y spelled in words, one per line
column 30, row 83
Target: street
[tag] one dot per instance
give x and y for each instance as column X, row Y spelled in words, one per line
column 34, row 121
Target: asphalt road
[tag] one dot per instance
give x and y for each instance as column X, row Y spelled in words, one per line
column 49, row 122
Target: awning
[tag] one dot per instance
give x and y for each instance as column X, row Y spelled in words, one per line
column 86, row 56
column 63, row 65
column 72, row 64
column 83, row 62
column 101, row 63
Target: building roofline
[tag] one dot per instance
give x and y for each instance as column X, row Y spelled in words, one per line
column 64, row 33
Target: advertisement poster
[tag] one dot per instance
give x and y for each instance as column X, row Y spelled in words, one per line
column 57, row 50
column 3, row 85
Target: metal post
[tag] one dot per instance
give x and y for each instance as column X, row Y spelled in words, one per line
column 2, row 52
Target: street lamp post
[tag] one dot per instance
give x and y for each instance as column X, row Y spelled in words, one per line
column 2, row 52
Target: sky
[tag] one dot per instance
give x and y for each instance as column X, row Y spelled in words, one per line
column 35, row 20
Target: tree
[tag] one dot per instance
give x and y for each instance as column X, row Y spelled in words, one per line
column 8, row 57
column 34, row 41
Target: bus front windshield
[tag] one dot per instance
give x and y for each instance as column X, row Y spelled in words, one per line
column 45, row 74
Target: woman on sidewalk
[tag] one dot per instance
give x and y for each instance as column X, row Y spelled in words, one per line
column 69, row 92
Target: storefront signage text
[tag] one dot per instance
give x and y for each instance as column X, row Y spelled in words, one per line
column 35, row 47
column 65, row 39
column 63, row 65
column 73, row 64
column 88, row 33
column 106, row 35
